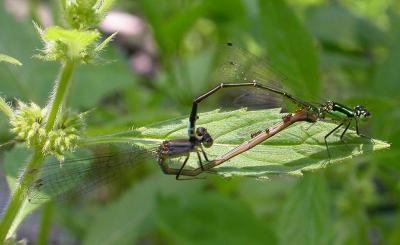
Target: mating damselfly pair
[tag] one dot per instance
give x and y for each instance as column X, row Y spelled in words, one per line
column 237, row 69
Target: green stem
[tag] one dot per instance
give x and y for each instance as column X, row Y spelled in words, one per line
column 44, row 227
column 61, row 87
column 18, row 197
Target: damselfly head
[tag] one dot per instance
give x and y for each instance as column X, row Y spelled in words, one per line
column 204, row 137
column 361, row 112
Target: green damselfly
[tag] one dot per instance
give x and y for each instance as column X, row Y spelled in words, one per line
column 239, row 68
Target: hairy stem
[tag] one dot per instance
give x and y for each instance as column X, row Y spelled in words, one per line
column 61, row 88
column 29, row 174
column 18, row 196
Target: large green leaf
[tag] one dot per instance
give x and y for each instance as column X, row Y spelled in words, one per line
column 386, row 84
column 290, row 47
column 171, row 20
column 386, row 95
column 387, row 77
column 125, row 220
column 306, row 217
column 298, row 148
column 347, row 31
column 211, row 219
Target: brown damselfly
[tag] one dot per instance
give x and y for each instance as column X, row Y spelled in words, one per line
column 79, row 175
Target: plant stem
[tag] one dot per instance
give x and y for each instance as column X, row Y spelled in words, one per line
column 44, row 227
column 29, row 174
column 61, row 87
column 17, row 197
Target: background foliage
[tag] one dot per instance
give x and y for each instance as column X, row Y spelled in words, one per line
column 342, row 50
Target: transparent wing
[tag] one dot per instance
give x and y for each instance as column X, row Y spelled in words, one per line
column 235, row 65
column 238, row 65
column 77, row 176
column 257, row 99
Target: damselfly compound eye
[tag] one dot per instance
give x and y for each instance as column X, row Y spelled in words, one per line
column 362, row 112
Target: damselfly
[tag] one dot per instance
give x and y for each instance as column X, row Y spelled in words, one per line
column 242, row 69
column 262, row 135
column 258, row 137
column 80, row 175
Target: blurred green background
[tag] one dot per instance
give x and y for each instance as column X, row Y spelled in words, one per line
column 343, row 50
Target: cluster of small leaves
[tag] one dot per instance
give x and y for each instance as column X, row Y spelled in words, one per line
column 65, row 136
column 28, row 124
column 79, row 44
column 84, row 14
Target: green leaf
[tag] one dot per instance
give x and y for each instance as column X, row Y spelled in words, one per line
column 102, row 6
column 9, row 59
column 387, row 77
column 210, row 219
column 385, row 85
column 85, row 14
column 104, row 44
column 91, row 83
column 78, row 40
column 116, row 225
column 290, row 47
column 306, row 217
column 63, row 44
column 298, row 148
column 227, row 13
column 5, row 108
column 20, row 40
column 348, row 31
column 171, row 21
column 104, row 230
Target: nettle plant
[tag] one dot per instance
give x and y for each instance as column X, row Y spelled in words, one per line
column 54, row 129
